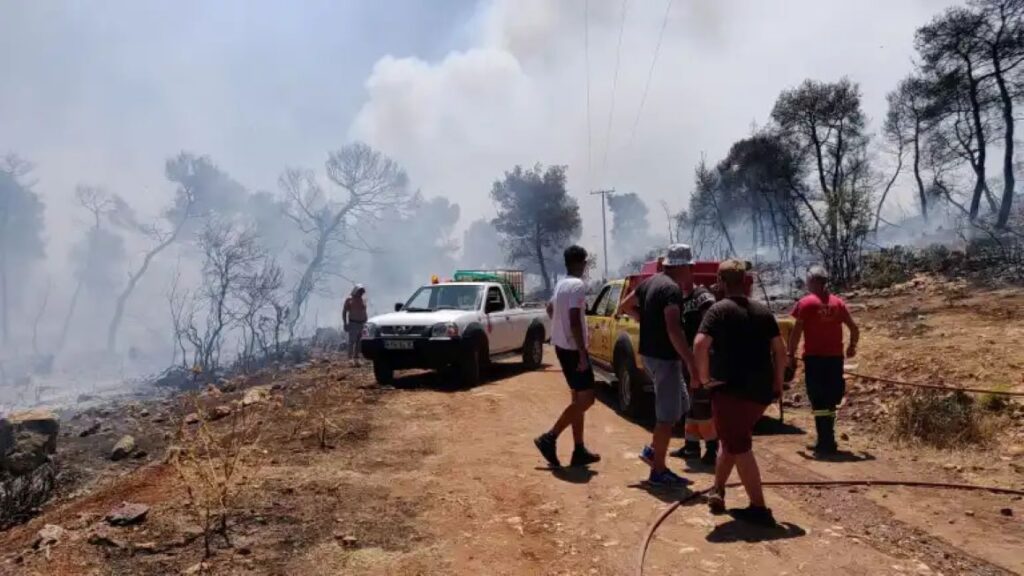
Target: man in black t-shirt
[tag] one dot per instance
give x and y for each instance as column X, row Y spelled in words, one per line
column 741, row 356
column 657, row 304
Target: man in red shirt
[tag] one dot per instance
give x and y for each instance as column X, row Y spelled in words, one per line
column 821, row 316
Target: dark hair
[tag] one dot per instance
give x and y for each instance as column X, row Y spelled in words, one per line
column 575, row 255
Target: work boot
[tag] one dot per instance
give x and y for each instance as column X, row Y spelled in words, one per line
column 690, row 449
column 825, row 427
column 710, row 453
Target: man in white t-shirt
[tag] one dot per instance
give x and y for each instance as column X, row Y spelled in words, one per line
column 567, row 310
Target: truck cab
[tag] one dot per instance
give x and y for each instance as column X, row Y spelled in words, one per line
column 613, row 340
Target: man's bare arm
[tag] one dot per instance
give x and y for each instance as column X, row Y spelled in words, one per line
column 851, row 325
column 779, row 355
column 794, row 339
column 576, row 327
column 630, row 306
column 702, row 354
column 675, row 333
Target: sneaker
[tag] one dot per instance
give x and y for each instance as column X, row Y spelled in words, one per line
column 691, row 449
column 583, row 457
column 666, row 478
column 647, row 455
column 756, row 515
column 546, row 444
column 716, row 500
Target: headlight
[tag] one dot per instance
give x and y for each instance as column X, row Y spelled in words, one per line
column 444, row 330
column 370, row 330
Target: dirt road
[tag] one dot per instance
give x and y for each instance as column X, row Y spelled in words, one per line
column 491, row 507
column 422, row 480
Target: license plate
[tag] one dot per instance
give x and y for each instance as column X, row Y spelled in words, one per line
column 398, row 344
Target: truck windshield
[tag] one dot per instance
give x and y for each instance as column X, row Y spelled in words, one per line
column 445, row 297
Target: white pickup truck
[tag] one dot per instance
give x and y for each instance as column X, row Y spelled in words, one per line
column 460, row 325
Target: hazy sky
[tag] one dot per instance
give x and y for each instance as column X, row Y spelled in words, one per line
column 457, row 91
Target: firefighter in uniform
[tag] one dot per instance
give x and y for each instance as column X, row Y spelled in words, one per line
column 696, row 301
column 820, row 317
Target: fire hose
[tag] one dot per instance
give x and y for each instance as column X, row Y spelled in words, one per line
column 642, row 556
column 842, row 483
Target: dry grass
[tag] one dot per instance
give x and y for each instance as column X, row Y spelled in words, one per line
column 944, row 419
column 215, row 464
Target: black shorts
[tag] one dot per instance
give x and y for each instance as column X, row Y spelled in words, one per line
column 570, row 361
column 825, row 383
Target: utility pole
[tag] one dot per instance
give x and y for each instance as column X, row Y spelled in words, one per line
column 604, row 225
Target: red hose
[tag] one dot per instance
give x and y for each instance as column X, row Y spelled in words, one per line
column 931, row 386
column 830, row 483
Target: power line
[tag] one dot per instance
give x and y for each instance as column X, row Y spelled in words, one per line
column 604, row 225
column 586, row 51
column 615, row 82
column 650, row 73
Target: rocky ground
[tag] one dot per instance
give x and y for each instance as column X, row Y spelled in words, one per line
column 347, row 478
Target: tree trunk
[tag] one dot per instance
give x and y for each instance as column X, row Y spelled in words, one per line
column 67, row 319
column 917, row 170
column 307, row 282
column 538, row 246
column 889, row 184
column 979, row 135
column 1008, row 120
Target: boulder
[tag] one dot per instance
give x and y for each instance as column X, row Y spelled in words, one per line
column 127, row 514
column 92, row 429
column 48, row 536
column 124, row 448
column 27, row 439
column 220, row 412
column 256, row 395
column 39, row 421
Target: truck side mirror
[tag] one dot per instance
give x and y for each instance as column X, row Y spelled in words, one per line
column 399, row 306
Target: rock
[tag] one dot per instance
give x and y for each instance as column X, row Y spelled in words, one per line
column 30, row 451
column 48, row 536
column 124, row 447
column 146, row 547
column 192, row 418
column 256, row 395
column 102, row 536
column 220, row 412
column 844, row 437
column 1006, row 511
column 212, row 391
column 970, row 513
column 27, row 439
column 92, row 429
column 200, row 568
column 127, row 514
column 140, row 454
column 144, row 413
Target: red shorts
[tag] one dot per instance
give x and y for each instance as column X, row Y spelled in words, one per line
column 734, row 419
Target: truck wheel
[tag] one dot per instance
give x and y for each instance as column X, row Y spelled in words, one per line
column 628, row 390
column 533, row 350
column 383, row 373
column 471, row 364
